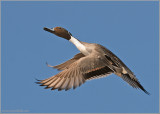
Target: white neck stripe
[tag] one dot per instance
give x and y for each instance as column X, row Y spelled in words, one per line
column 79, row 45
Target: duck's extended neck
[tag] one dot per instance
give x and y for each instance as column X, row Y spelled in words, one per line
column 79, row 45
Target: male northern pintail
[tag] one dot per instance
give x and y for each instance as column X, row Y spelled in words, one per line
column 93, row 61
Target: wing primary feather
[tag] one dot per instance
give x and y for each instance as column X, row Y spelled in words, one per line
column 58, row 83
column 71, row 81
column 133, row 82
column 50, row 81
column 66, row 81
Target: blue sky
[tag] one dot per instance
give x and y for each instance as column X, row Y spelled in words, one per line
column 128, row 29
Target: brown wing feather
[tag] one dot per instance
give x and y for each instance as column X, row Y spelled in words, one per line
column 69, row 62
column 85, row 68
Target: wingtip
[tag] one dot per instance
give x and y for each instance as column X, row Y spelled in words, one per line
column 60, row 89
column 53, row 88
column 47, row 87
column 147, row 92
column 48, row 64
column 144, row 90
column 41, row 85
column 38, row 81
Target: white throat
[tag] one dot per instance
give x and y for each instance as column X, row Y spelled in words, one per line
column 79, row 45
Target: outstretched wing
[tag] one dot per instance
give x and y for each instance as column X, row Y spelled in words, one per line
column 125, row 73
column 85, row 68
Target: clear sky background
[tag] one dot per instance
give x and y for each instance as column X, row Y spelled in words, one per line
column 128, row 29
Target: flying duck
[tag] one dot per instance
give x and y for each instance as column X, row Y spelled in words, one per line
column 94, row 61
